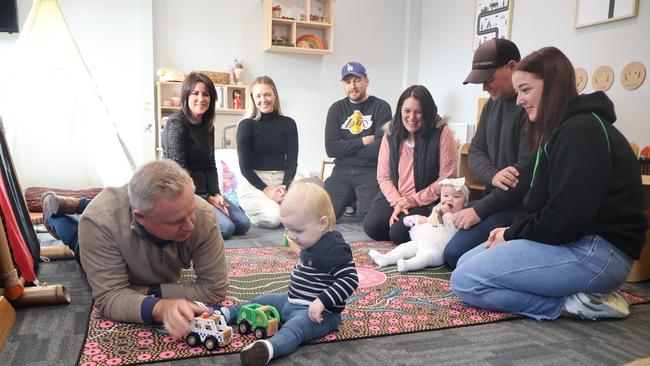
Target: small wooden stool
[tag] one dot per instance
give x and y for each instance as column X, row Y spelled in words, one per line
column 7, row 320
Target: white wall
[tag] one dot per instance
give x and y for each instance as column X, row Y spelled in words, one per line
column 110, row 38
column 208, row 35
column 400, row 42
column 446, row 54
column 124, row 42
column 114, row 39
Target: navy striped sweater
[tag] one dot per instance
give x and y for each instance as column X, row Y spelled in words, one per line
column 325, row 271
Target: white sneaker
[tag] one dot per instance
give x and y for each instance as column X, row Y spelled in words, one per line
column 258, row 353
column 596, row 306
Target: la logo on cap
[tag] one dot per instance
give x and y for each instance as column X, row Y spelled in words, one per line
column 350, row 67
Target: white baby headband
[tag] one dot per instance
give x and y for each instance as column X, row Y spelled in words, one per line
column 458, row 184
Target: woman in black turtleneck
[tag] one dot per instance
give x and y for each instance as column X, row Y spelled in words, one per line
column 267, row 146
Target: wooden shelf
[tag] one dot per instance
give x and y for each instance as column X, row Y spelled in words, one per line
column 229, row 111
column 283, row 21
column 317, row 25
column 309, row 51
column 291, row 30
column 216, row 111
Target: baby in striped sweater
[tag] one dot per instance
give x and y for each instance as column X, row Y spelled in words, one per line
column 321, row 281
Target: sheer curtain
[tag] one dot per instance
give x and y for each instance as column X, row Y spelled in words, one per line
column 60, row 133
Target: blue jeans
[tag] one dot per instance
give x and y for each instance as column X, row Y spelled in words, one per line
column 66, row 227
column 532, row 279
column 237, row 223
column 464, row 240
column 296, row 327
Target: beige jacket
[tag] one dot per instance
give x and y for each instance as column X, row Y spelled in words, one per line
column 115, row 254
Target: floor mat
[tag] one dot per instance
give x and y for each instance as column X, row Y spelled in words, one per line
column 385, row 303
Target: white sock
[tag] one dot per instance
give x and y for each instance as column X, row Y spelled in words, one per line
column 226, row 314
column 377, row 257
column 401, row 265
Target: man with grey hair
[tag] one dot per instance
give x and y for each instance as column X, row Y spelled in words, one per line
column 134, row 241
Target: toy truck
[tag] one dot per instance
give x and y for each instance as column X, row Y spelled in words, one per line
column 209, row 329
column 263, row 320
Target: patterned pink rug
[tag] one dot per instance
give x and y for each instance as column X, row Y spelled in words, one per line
column 385, row 303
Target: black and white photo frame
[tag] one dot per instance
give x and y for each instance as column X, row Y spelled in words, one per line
column 592, row 12
column 492, row 19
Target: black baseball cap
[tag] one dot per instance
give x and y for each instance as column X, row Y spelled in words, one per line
column 489, row 57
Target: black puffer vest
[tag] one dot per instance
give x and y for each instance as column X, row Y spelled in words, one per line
column 426, row 156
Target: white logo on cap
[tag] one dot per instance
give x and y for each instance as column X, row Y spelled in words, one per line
column 350, row 68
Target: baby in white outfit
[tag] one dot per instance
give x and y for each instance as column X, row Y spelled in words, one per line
column 429, row 236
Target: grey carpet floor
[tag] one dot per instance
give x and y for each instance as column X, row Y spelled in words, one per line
column 53, row 335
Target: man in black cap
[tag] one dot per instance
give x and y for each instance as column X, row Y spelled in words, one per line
column 352, row 137
column 498, row 156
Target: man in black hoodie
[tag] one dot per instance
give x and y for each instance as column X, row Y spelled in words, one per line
column 498, row 156
column 352, row 136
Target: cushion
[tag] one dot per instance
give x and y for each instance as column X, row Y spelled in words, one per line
column 33, row 195
column 228, row 171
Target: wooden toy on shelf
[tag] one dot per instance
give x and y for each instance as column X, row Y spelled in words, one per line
column 309, row 41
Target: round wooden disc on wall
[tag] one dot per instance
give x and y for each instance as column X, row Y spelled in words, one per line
column 581, row 79
column 633, row 75
column 603, row 78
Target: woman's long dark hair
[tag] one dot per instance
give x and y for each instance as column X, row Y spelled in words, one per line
column 207, row 120
column 430, row 116
column 554, row 68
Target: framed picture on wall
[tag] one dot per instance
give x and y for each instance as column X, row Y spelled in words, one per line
column 492, row 19
column 590, row 12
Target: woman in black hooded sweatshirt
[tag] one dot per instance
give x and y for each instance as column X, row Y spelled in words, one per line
column 584, row 222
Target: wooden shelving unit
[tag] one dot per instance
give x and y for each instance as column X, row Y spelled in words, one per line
column 305, row 26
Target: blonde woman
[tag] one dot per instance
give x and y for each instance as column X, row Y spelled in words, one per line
column 267, row 146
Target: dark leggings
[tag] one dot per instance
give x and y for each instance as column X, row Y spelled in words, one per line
column 376, row 226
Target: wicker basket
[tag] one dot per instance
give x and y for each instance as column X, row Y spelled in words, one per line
column 217, row 77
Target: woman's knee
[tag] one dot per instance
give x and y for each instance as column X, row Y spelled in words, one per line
column 399, row 233
column 268, row 220
column 451, row 254
column 242, row 226
column 227, row 228
column 463, row 284
column 374, row 228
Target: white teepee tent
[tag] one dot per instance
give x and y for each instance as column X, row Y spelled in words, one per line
column 60, row 132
